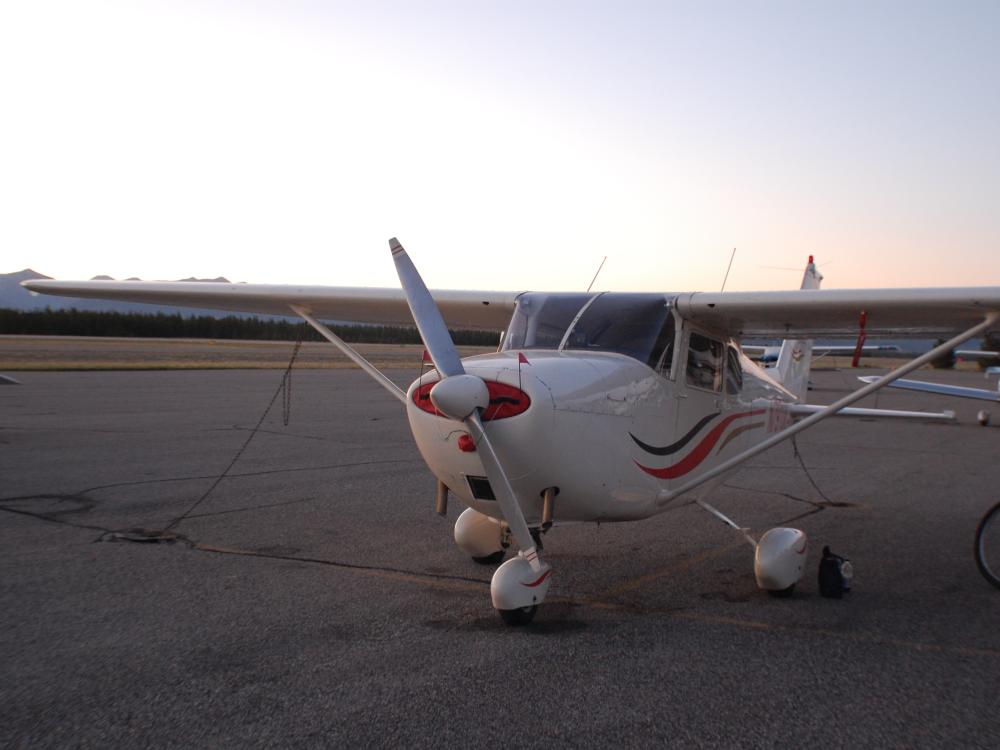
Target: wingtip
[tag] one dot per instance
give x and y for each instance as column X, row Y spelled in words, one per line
column 394, row 245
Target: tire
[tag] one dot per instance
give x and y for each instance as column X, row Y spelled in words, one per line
column 518, row 617
column 782, row 593
column 495, row 559
column 987, row 546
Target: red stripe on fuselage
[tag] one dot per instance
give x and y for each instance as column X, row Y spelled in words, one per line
column 700, row 451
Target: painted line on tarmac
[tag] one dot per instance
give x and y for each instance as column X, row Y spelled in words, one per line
column 799, row 630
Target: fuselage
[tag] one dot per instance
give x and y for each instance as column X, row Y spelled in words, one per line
column 609, row 409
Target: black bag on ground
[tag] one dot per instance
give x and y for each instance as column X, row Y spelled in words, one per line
column 835, row 575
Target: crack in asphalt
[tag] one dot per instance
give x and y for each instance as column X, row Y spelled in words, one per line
column 51, row 517
column 818, row 504
column 138, row 482
column 147, row 536
column 417, row 574
column 263, row 506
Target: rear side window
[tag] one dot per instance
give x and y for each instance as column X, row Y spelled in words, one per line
column 704, row 362
column 734, row 371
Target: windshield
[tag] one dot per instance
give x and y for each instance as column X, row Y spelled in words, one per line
column 540, row 320
column 636, row 325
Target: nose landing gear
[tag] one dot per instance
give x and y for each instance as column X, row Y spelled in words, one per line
column 517, row 589
column 520, row 584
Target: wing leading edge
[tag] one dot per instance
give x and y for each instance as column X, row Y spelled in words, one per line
column 836, row 312
column 461, row 309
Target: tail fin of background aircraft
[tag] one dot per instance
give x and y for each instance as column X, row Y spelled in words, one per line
column 795, row 357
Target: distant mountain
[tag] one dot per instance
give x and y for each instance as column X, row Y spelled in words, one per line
column 13, row 296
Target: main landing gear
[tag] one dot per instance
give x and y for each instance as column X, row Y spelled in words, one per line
column 779, row 555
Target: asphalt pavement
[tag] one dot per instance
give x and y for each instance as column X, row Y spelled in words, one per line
column 314, row 599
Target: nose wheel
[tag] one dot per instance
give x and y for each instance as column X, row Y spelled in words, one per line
column 518, row 617
column 519, row 586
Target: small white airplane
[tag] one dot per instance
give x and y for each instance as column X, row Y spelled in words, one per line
column 599, row 406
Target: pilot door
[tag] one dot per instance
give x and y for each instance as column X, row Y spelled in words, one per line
column 707, row 387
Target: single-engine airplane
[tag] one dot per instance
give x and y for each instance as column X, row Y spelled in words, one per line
column 599, row 406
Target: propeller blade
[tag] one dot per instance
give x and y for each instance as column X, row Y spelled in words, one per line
column 426, row 314
column 457, row 392
column 504, row 492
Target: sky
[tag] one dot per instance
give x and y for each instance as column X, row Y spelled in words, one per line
column 509, row 145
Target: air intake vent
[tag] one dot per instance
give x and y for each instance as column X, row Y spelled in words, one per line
column 481, row 489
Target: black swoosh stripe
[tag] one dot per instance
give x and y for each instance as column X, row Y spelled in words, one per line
column 674, row 447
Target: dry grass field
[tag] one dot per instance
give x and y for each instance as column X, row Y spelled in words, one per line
column 20, row 353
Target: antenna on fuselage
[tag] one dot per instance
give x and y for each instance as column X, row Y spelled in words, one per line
column 596, row 274
column 726, row 277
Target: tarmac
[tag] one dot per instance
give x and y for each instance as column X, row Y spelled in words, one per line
column 314, row 599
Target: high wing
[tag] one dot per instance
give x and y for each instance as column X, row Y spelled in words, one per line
column 460, row 309
column 788, row 314
column 808, row 313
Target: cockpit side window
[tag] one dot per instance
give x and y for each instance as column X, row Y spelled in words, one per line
column 662, row 358
column 734, row 371
column 704, row 362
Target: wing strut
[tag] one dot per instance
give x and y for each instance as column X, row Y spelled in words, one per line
column 665, row 496
column 350, row 353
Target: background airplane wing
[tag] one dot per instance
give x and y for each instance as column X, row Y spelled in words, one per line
column 977, row 354
column 460, row 309
column 946, row 390
column 806, row 313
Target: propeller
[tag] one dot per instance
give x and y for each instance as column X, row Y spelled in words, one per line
column 461, row 396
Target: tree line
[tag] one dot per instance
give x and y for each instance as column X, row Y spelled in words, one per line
column 161, row 325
